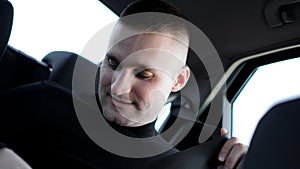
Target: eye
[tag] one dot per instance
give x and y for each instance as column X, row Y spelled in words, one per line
column 112, row 63
column 145, row 75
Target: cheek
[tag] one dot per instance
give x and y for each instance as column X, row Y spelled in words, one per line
column 147, row 90
column 143, row 91
column 166, row 87
column 105, row 77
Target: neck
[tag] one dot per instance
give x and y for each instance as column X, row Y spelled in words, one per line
column 143, row 131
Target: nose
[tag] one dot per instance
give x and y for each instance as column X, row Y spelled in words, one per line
column 121, row 83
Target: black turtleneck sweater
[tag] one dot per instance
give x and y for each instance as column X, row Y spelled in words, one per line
column 144, row 131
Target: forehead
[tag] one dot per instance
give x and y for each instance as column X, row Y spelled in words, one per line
column 149, row 50
column 148, row 44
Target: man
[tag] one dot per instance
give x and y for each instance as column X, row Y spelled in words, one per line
column 143, row 66
column 139, row 72
column 145, row 62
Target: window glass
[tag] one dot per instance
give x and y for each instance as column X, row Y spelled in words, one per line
column 44, row 26
column 270, row 84
column 163, row 117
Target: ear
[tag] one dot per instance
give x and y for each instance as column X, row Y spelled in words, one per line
column 181, row 79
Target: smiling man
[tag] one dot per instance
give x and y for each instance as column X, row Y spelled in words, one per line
column 135, row 82
column 145, row 62
column 137, row 76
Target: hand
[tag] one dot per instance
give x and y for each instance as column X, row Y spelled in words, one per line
column 9, row 160
column 232, row 152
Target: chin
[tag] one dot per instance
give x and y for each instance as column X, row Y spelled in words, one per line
column 116, row 118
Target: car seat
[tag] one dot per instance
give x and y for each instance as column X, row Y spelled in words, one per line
column 6, row 19
column 275, row 143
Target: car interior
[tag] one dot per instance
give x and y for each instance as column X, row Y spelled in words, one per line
column 245, row 35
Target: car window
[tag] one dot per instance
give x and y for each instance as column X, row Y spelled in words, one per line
column 163, row 117
column 269, row 85
column 40, row 27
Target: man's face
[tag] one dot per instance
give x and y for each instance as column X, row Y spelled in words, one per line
column 137, row 76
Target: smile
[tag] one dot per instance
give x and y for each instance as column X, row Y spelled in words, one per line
column 120, row 102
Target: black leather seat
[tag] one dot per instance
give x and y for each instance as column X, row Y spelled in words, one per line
column 275, row 143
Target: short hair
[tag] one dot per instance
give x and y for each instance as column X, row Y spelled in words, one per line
column 163, row 17
column 152, row 6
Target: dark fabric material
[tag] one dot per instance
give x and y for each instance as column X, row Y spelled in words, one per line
column 2, row 145
column 202, row 156
column 39, row 123
column 18, row 68
column 144, row 131
column 275, row 143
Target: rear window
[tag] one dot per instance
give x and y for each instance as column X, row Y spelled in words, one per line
column 269, row 85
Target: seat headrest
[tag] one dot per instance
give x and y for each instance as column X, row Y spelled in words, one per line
column 275, row 143
column 6, row 19
column 62, row 64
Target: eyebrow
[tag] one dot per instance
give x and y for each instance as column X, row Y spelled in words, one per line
column 140, row 67
column 114, row 58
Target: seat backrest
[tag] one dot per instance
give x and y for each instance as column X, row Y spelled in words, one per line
column 62, row 65
column 275, row 143
column 6, row 19
column 18, row 68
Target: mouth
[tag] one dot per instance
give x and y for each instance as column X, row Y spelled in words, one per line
column 120, row 103
column 116, row 99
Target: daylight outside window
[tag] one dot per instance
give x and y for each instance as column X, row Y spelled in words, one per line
column 40, row 27
column 270, row 85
